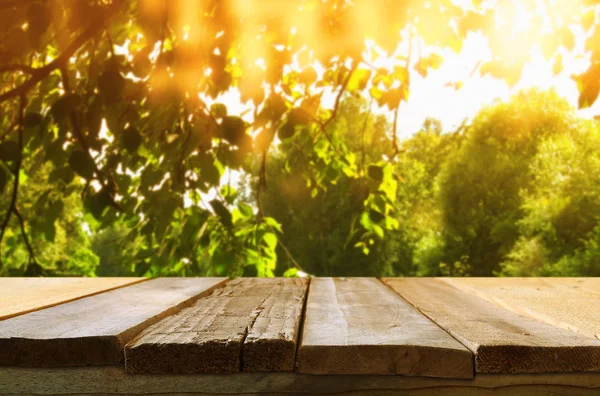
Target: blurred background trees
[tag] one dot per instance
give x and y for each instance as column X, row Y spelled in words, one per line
column 514, row 193
column 269, row 137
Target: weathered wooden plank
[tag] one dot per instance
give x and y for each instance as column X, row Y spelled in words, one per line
column 257, row 316
column 551, row 300
column 93, row 330
column 360, row 326
column 271, row 342
column 587, row 285
column 111, row 380
column 502, row 341
column 23, row 295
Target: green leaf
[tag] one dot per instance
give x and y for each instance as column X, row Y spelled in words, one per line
column 557, row 66
column 273, row 223
column 270, row 239
column 222, row 212
column 132, row 139
column 9, row 151
column 376, row 216
column 433, row 61
column 291, row 273
column 229, row 193
column 298, row 116
column 209, row 172
column 64, row 106
column 82, row 164
column 233, row 129
column 359, row 80
column 308, row 76
column 589, row 86
column 567, row 38
column 219, row 110
column 111, row 85
column 97, row 203
column 286, row 131
column 394, row 96
column 55, row 209
column 375, row 172
column 49, row 230
column 245, row 209
column 65, row 174
column 401, row 74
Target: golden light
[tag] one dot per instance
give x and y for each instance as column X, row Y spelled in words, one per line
column 519, row 33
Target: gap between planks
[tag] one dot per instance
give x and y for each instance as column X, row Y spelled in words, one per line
column 93, row 330
column 501, row 340
column 251, row 324
column 361, row 326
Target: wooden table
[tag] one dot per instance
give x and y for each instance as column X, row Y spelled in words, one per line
column 455, row 336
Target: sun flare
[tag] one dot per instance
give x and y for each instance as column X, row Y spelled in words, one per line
column 517, row 35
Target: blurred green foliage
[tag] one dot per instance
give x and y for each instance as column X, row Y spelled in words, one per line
column 514, row 193
column 117, row 155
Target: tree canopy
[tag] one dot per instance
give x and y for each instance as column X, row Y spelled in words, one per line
column 120, row 103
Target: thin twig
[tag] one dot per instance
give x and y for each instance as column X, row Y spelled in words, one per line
column 262, row 182
column 395, row 146
column 339, row 97
column 110, row 43
column 364, row 129
column 32, row 259
column 286, row 250
column 9, row 129
column 12, row 208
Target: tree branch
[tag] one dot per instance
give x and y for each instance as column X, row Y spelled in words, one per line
column 339, row 97
column 32, row 259
column 395, row 146
column 12, row 208
column 362, row 139
column 63, row 59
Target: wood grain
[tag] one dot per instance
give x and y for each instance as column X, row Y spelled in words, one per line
column 23, row 295
column 360, row 326
column 251, row 324
column 93, row 330
column 502, row 341
column 111, row 380
column 271, row 342
column 556, row 301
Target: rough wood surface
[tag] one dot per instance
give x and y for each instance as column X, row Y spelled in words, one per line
column 585, row 285
column 559, row 302
column 23, row 295
column 252, row 319
column 360, row 326
column 113, row 381
column 272, row 341
column 93, row 330
column 502, row 341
